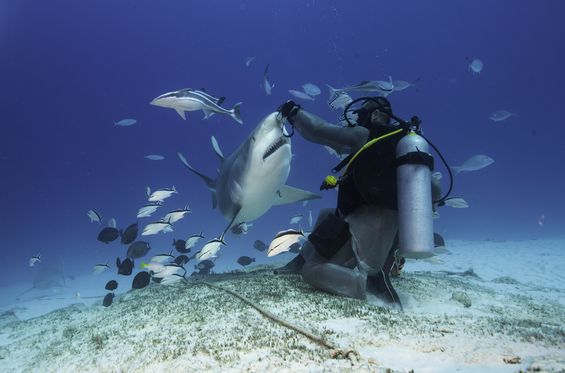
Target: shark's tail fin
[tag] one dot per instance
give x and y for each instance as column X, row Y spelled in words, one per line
column 211, row 183
column 234, row 113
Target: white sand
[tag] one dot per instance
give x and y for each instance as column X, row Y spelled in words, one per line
column 517, row 311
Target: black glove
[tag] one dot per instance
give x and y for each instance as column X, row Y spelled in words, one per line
column 288, row 110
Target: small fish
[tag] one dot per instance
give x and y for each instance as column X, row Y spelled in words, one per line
column 210, row 249
column 163, row 258
column 108, row 300
column 148, row 209
column 108, row 235
column 138, row 249
column 162, row 194
column 111, row 285
column 152, row 267
column 500, row 115
column 192, row 100
column 181, row 260
column 438, row 240
column 296, row 219
column 340, row 101
column 99, row 268
column 147, row 191
column 176, row 215
column 380, row 87
column 154, row 157
column 156, row 227
column 248, row 61
column 126, row 267
column 310, row 218
column 260, row 245
column 476, row 66
column 130, row 234
column 300, row 94
column 284, row 240
column 267, row 86
column 401, row 85
column 125, row 122
column 172, row 279
column 456, row 202
column 112, row 223
column 141, row 280
column 311, row 89
column 180, row 246
column 241, row 228
column 474, row 163
column 169, row 270
column 94, row 216
column 192, row 240
column 304, row 203
column 437, row 175
column 205, row 265
column 34, row 259
column 245, row 260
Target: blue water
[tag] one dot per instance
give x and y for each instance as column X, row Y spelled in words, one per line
column 69, row 69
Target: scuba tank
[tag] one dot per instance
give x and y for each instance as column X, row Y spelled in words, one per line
column 413, row 176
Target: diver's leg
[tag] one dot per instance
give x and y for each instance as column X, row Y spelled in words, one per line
column 373, row 230
column 337, row 276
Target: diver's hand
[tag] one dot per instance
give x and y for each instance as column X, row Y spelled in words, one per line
column 288, row 110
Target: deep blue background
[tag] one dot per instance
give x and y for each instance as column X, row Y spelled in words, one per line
column 69, row 69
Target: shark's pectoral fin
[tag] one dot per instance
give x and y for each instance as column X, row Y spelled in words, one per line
column 237, row 209
column 217, row 149
column 288, row 194
column 181, row 113
column 214, row 199
column 211, row 183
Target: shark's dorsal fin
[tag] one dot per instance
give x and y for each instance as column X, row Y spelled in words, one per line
column 217, row 149
column 211, row 183
column 288, row 194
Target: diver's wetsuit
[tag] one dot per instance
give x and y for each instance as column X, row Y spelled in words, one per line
column 372, row 228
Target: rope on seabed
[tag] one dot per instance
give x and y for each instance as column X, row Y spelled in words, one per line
column 335, row 352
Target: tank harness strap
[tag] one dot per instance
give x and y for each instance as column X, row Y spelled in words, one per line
column 331, row 182
column 417, row 157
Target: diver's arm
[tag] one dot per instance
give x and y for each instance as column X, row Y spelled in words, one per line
column 341, row 139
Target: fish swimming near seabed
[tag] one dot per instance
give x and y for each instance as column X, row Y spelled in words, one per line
column 267, row 86
column 252, row 179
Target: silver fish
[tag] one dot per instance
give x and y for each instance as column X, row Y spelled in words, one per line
column 176, row 215
column 210, row 249
column 339, row 101
column 283, row 241
column 154, row 157
column 300, row 94
column 248, row 61
column 34, row 259
column 456, row 202
column 162, row 194
column 500, row 115
column 474, row 163
column 148, row 209
column 156, row 227
column 476, row 66
column 311, row 89
column 192, row 240
column 99, row 268
column 125, row 122
column 401, row 85
column 94, row 216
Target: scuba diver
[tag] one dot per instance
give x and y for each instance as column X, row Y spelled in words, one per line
column 353, row 248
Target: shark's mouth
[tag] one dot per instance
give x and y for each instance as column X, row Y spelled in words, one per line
column 275, row 146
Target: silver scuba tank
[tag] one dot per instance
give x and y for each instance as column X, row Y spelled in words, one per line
column 413, row 173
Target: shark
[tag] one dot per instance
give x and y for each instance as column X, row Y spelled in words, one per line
column 253, row 178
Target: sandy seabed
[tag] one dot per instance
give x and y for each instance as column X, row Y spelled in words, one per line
column 506, row 315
